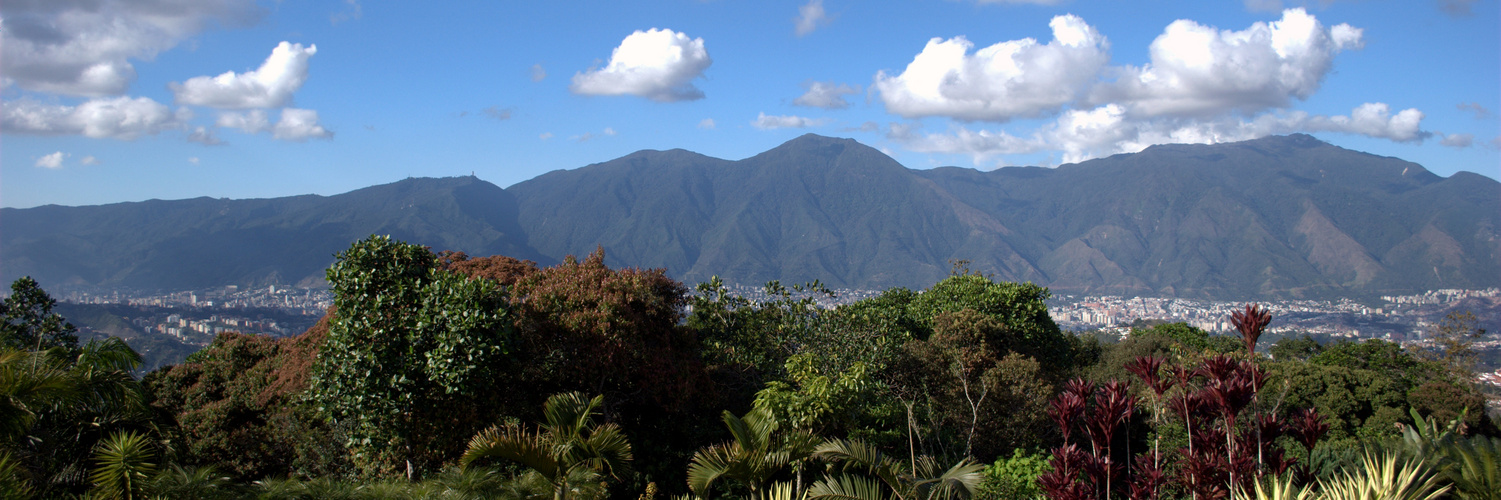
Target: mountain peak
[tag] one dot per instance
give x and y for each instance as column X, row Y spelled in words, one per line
column 819, row 149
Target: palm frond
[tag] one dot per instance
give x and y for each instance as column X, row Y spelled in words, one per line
column 961, row 480
column 125, row 464
column 607, row 450
column 710, row 464
column 1474, row 466
column 570, row 413
column 847, row 487
column 512, row 442
column 111, row 354
column 192, row 482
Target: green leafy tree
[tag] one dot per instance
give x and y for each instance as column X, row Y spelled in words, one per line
column 812, row 400
column 1020, row 307
column 27, row 320
column 1296, row 348
column 1014, row 477
column 570, row 450
column 409, row 356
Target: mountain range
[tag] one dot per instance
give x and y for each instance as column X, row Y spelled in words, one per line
column 1277, row 217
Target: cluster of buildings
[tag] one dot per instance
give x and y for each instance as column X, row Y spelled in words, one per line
column 201, row 331
column 300, row 300
column 1397, row 318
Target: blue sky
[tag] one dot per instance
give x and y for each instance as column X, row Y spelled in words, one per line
column 107, row 101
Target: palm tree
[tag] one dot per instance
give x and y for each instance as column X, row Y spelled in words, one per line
column 892, row 480
column 569, row 449
column 756, row 453
column 29, row 385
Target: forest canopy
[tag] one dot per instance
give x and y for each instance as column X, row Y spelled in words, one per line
column 493, row 377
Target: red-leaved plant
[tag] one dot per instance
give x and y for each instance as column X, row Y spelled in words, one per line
column 1230, row 441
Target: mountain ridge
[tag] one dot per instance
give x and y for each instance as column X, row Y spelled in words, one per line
column 1282, row 216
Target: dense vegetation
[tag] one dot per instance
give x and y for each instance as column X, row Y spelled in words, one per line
column 438, row 375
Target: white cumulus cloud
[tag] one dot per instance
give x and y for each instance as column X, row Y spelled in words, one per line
column 826, row 95
column 251, row 122
column 54, row 160
column 764, row 121
column 706, row 124
column 85, row 47
column 809, row 17
column 1013, row 79
column 1198, row 70
column 299, row 125
column 1082, row 134
column 657, row 64
column 270, row 86
column 89, row 160
column 1374, row 119
column 109, row 117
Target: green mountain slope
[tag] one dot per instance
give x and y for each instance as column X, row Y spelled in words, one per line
column 203, row 242
column 1275, row 217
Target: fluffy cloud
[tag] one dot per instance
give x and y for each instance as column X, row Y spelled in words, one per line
column 1374, row 120
column 809, row 17
column 706, row 124
column 980, row 144
column 656, row 64
column 270, row 86
column 538, row 73
column 295, row 124
column 1458, row 140
column 89, row 160
column 299, row 125
column 1110, row 129
column 113, row 117
column 825, row 95
column 764, row 121
column 1201, row 71
column 1013, row 79
column 85, row 47
column 250, row 122
column 54, row 160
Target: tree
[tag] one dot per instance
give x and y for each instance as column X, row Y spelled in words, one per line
column 568, row 450
column 27, row 320
column 756, row 454
column 94, row 394
column 1454, row 336
column 410, row 355
column 1020, row 307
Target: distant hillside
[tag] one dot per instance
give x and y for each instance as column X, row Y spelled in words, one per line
column 1281, row 216
column 204, row 242
column 1275, row 217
